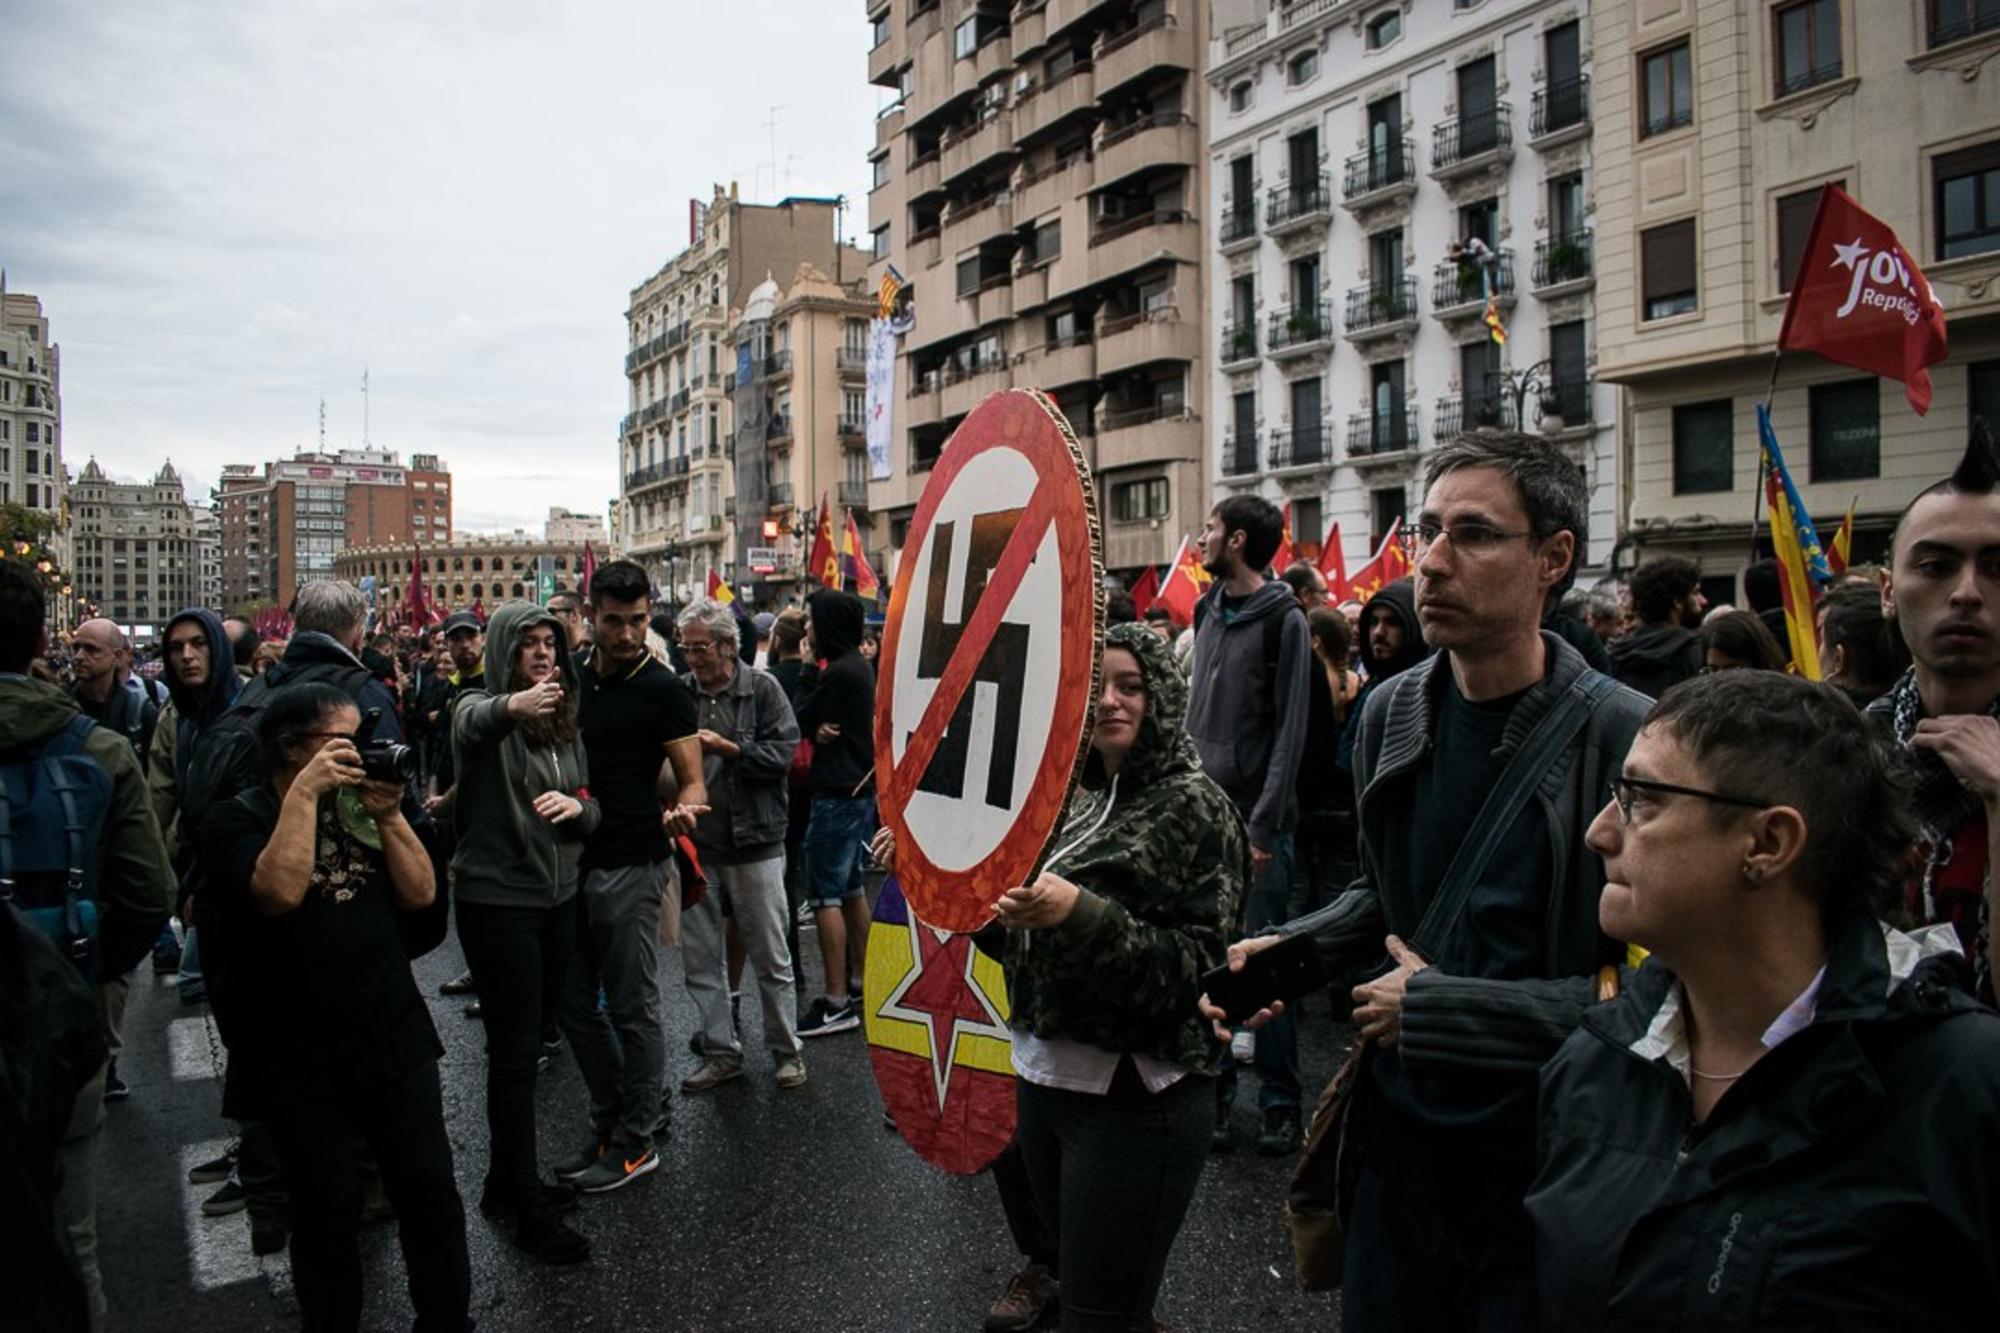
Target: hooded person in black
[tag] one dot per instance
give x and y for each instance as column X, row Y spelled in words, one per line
column 836, row 710
column 1661, row 652
column 1391, row 643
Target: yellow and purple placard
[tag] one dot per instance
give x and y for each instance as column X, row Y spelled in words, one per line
column 935, row 1013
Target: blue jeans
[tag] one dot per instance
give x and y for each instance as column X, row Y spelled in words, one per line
column 189, row 980
column 1278, row 1041
column 835, row 841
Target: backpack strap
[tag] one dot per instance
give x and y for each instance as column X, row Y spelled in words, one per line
column 1523, row 774
column 76, row 838
column 69, row 740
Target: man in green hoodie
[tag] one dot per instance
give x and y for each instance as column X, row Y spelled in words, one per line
column 135, row 882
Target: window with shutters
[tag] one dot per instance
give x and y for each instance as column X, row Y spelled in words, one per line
column 1666, row 79
column 1704, row 451
column 1795, row 215
column 1667, row 270
column 1846, row 430
column 1805, row 45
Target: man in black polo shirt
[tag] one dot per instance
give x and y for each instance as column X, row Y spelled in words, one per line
column 639, row 734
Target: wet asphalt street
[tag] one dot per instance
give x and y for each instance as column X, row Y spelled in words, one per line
column 771, row 1211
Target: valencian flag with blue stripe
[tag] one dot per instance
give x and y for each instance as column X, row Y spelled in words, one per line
column 1802, row 566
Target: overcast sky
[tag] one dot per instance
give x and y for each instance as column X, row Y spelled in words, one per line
column 229, row 210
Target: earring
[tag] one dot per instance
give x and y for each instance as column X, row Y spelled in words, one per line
column 1752, row 875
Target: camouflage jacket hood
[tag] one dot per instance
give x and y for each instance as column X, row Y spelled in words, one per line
column 1163, row 864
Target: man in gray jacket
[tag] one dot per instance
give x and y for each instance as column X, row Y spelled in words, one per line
column 1443, row 1113
column 1247, row 713
column 748, row 734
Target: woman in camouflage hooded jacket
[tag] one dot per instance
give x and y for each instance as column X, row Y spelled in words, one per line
column 1104, row 957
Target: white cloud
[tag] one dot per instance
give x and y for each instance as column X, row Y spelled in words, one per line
column 229, row 210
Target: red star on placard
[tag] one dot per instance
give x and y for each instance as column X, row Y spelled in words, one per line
column 939, row 991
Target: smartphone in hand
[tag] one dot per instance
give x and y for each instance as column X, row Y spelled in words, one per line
column 1286, row 971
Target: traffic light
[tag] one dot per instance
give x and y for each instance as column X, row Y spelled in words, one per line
column 770, row 529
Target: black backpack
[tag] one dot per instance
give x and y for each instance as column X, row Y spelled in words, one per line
column 54, row 799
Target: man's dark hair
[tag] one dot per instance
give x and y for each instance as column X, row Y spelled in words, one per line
column 1977, row 473
column 1330, row 628
column 1301, row 578
column 243, row 640
column 661, row 622
column 1659, row 583
column 620, row 581
column 1158, row 615
column 786, row 635
column 566, row 598
column 24, row 610
column 1741, row 637
column 290, row 716
column 1262, row 526
column 1761, row 588
column 1551, row 486
column 1876, row 655
column 1768, row 736
column 1119, row 608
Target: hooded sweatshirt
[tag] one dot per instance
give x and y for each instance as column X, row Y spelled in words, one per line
column 507, row 855
column 1400, row 597
column 187, row 714
column 1653, row 658
column 135, row 883
column 1248, row 706
column 842, row 692
column 1159, row 855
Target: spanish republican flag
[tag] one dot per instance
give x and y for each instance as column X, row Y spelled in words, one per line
column 1802, row 564
column 718, row 591
column 1390, row 562
column 823, row 563
column 1186, row 582
column 855, row 564
column 1287, row 552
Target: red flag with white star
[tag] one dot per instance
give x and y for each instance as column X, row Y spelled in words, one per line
column 1860, row 299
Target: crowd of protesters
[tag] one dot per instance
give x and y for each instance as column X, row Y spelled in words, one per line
column 1668, row 970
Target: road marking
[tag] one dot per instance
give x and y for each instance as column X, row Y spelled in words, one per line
column 190, row 1054
column 219, row 1247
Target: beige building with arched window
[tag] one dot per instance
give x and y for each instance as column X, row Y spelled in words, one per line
column 468, row 570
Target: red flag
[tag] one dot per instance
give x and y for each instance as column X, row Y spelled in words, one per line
column 854, row 562
column 1860, row 299
column 589, row 569
column 1185, row 584
column 823, row 563
column 1282, row 558
column 479, row 609
column 1843, row 542
column 1390, row 562
column 413, row 600
column 1145, row 589
column 1333, row 564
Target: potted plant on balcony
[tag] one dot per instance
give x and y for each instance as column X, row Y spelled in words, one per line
column 1302, row 325
column 1566, row 260
column 1242, row 342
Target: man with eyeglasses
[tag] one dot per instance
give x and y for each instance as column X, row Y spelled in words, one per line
column 1442, row 1120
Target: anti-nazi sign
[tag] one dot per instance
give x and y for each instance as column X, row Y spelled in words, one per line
column 989, row 659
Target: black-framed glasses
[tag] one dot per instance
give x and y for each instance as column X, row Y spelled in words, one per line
column 1624, row 790
column 1467, row 538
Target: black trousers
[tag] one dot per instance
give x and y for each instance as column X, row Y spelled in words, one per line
column 1017, row 1201
column 319, row 1143
column 518, row 956
column 1113, row 1176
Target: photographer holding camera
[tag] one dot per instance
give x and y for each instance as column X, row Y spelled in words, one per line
column 332, row 1046
column 523, row 811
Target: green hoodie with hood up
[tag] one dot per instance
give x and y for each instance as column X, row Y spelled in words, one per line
column 507, row 855
column 1162, row 860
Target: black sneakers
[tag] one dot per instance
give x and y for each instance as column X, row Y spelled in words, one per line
column 116, row 1089
column 543, row 1234
column 1281, row 1135
column 827, row 1017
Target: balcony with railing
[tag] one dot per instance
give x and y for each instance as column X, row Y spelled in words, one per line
column 1372, row 434
column 645, row 354
column 1301, row 330
column 1560, row 112
column 1239, row 342
column 1474, row 411
column 1381, row 309
column 778, row 363
column 779, row 428
column 852, row 360
column 1304, row 446
column 1562, row 263
column 1238, row 228
column 851, row 429
column 781, row 495
column 1472, row 142
column 1240, row 454
column 678, row 401
column 853, row 495
column 1565, row 404
column 1374, row 177
column 1460, row 287
column 1299, row 205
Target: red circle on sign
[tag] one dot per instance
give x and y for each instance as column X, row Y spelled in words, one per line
column 1024, row 421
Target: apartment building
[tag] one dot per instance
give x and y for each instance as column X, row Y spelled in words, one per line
column 207, row 529
column 472, row 569
column 1718, row 121
column 31, row 466
column 282, row 524
column 800, row 407
column 136, row 557
column 1379, row 168
column 1039, row 181
column 566, row 528
column 675, row 480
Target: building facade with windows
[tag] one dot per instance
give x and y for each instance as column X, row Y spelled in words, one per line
column 473, row 569
column 1039, row 182
column 282, row 524
column 1380, row 170
column 675, row 475
column 207, row 556
column 1718, row 123
column 31, row 466
column 136, row 549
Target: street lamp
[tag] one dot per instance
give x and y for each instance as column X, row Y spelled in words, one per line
column 1538, row 379
column 798, row 528
column 671, row 553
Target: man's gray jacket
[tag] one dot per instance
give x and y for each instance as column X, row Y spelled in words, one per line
column 1247, row 705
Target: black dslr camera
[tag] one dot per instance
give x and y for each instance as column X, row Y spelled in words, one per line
column 383, row 760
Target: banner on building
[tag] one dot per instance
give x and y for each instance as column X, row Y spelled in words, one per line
column 881, row 396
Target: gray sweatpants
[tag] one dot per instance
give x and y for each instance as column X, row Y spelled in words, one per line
column 76, row 1200
column 755, row 894
column 618, row 949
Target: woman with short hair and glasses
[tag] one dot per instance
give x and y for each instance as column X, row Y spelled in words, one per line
column 1788, row 1119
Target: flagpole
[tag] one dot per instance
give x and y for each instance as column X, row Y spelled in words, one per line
column 1757, row 488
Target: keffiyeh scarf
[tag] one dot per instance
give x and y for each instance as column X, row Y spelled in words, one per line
column 1943, row 808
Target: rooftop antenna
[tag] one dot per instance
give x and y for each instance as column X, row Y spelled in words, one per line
column 364, row 407
column 771, row 125
column 322, row 423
